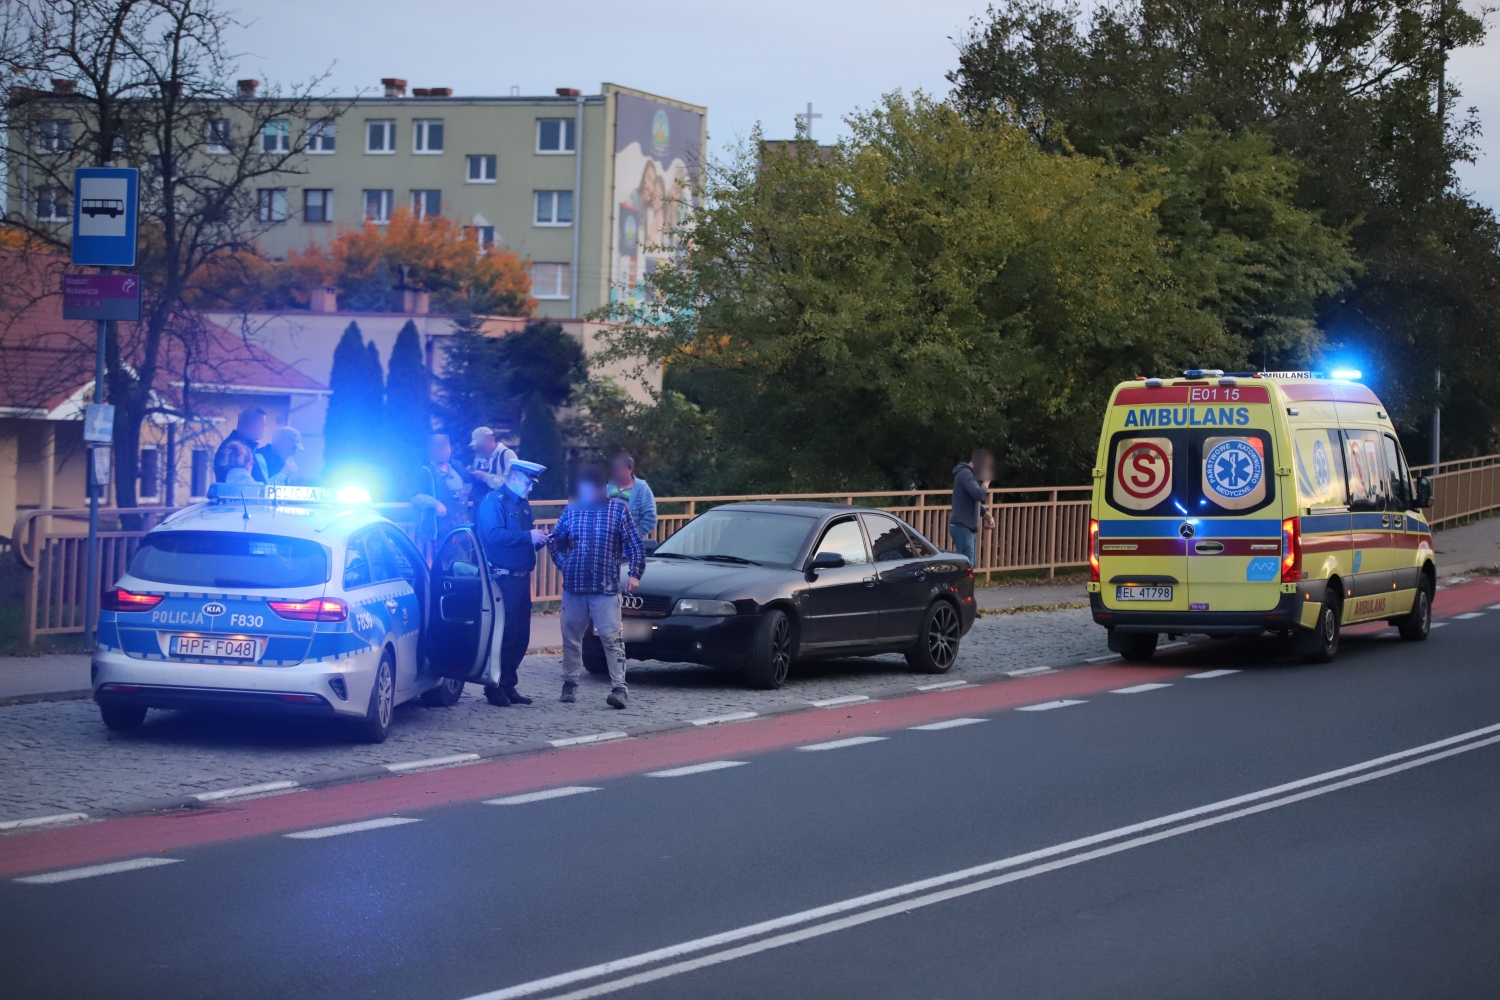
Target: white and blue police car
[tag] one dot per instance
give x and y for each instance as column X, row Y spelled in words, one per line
column 285, row 599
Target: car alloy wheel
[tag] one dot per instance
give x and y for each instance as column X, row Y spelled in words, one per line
column 936, row 646
column 376, row 724
column 769, row 659
column 781, row 651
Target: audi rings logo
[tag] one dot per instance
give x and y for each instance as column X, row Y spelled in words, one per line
column 213, row 609
column 632, row 602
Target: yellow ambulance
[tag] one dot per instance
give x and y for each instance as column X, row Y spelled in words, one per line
column 1242, row 504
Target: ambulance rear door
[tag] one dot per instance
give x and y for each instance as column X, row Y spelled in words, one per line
column 1142, row 554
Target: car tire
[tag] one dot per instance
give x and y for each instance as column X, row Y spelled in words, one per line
column 936, row 648
column 1416, row 626
column 1321, row 645
column 122, row 717
column 594, row 660
column 445, row 695
column 376, row 724
column 1137, row 647
column 770, row 656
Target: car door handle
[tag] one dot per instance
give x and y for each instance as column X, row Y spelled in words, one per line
column 1385, row 520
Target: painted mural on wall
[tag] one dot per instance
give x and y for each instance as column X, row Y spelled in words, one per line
column 657, row 151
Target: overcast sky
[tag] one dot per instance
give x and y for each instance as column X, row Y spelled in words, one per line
column 748, row 63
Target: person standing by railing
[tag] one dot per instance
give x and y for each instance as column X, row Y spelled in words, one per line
column 625, row 485
column 439, row 491
column 971, row 487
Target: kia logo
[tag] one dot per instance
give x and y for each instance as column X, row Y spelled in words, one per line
column 632, row 602
column 213, row 609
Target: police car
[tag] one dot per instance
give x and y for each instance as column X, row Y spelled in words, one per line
column 283, row 599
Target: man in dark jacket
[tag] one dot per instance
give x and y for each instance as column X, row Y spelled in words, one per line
column 440, row 492
column 249, row 428
column 971, row 487
column 510, row 539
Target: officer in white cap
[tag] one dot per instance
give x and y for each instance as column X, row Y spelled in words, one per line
column 510, row 539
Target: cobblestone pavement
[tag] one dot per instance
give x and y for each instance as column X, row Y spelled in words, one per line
column 58, row 757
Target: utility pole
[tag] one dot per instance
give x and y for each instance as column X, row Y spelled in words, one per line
column 1437, row 423
column 1444, row 44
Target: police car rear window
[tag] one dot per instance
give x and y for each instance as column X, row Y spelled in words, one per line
column 217, row 559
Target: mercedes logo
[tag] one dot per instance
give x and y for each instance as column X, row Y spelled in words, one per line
column 213, row 609
column 1187, row 530
column 632, row 602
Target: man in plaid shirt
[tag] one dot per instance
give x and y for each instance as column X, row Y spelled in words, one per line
column 592, row 537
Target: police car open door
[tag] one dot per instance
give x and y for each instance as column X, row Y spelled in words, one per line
column 463, row 608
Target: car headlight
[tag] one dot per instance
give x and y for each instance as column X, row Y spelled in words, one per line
column 713, row 609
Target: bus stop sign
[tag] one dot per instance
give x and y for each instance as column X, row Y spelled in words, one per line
column 104, row 216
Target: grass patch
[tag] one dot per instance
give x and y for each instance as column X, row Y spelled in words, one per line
column 1068, row 606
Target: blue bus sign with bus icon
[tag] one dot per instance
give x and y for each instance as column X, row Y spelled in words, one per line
column 104, row 216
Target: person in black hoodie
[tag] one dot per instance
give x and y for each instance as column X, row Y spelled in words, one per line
column 971, row 486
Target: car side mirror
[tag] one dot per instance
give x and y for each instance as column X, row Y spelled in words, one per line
column 826, row 560
column 1424, row 493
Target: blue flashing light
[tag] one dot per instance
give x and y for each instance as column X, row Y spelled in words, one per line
column 1347, row 374
column 353, row 494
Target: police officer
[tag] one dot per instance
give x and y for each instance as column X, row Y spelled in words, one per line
column 510, row 541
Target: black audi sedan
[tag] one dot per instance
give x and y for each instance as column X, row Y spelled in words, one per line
column 758, row 586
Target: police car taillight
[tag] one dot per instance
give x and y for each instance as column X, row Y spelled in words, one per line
column 1291, row 550
column 124, row 600
column 317, row 609
column 1094, row 550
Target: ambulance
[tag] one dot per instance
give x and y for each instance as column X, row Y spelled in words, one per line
column 1246, row 504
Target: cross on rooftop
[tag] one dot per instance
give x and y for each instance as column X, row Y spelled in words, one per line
column 806, row 118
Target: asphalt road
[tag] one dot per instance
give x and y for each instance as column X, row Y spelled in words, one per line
column 1281, row 830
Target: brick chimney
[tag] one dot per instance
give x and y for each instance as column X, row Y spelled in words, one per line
column 64, row 86
column 415, row 301
column 432, row 92
column 245, row 89
column 569, row 92
column 393, row 86
column 323, row 299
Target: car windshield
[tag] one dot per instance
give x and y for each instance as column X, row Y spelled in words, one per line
column 753, row 535
column 209, row 559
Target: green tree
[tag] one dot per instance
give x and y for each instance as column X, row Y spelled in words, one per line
column 354, row 406
column 541, row 442
column 408, row 410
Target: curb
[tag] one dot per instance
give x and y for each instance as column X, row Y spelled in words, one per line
column 28, row 699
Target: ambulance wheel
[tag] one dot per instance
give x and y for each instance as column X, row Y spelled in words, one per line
column 594, row 660
column 1321, row 645
column 446, row 694
column 1415, row 626
column 122, row 717
column 376, row 724
column 1137, row 647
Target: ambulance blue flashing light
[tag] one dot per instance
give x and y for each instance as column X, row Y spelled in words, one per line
column 1347, row 374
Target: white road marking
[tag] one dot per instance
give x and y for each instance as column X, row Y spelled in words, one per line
column 1494, row 607
column 1101, row 659
column 1438, row 624
column 415, row 765
column 1209, row 675
column 343, row 828
column 1027, row 671
column 1048, row 706
column 551, row 793
column 713, row 765
column 949, row 724
column 847, row 699
column 92, row 870
column 1470, row 614
column 21, row 824
column 852, row 741
column 1140, row 688
column 574, row 741
column 1408, row 759
column 714, row 720
column 234, row 793
column 944, row 686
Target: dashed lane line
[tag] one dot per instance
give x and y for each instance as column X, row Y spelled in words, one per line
column 948, row 724
column 848, row 699
column 343, row 828
column 1469, row 614
column 712, row 765
column 852, row 741
column 551, row 793
column 1048, row 706
column 114, row 866
column 1139, row 688
column 1208, row 675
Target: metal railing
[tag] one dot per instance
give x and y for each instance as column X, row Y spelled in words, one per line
column 1040, row 529
column 1462, row 489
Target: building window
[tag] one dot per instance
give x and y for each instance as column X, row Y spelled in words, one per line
column 218, row 135
column 317, row 205
column 272, row 204
column 380, row 135
column 55, row 136
column 554, row 135
column 427, row 135
column 554, row 208
column 427, row 204
column 320, row 137
column 150, row 469
column 483, row 235
column 377, row 206
column 551, row 281
column 51, row 204
column 198, row 477
column 276, row 137
column 481, row 170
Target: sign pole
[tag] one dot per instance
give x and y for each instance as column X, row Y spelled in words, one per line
column 91, row 605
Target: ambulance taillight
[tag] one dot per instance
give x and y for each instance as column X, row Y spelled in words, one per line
column 1094, row 550
column 1291, row 550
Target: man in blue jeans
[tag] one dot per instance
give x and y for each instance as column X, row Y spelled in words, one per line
column 971, row 487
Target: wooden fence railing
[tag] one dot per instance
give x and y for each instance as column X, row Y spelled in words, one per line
column 1462, row 489
column 1038, row 529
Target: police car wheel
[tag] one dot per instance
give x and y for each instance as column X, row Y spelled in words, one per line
column 376, row 724
column 1416, row 626
column 447, row 693
column 122, row 717
column 1322, row 644
column 594, row 660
